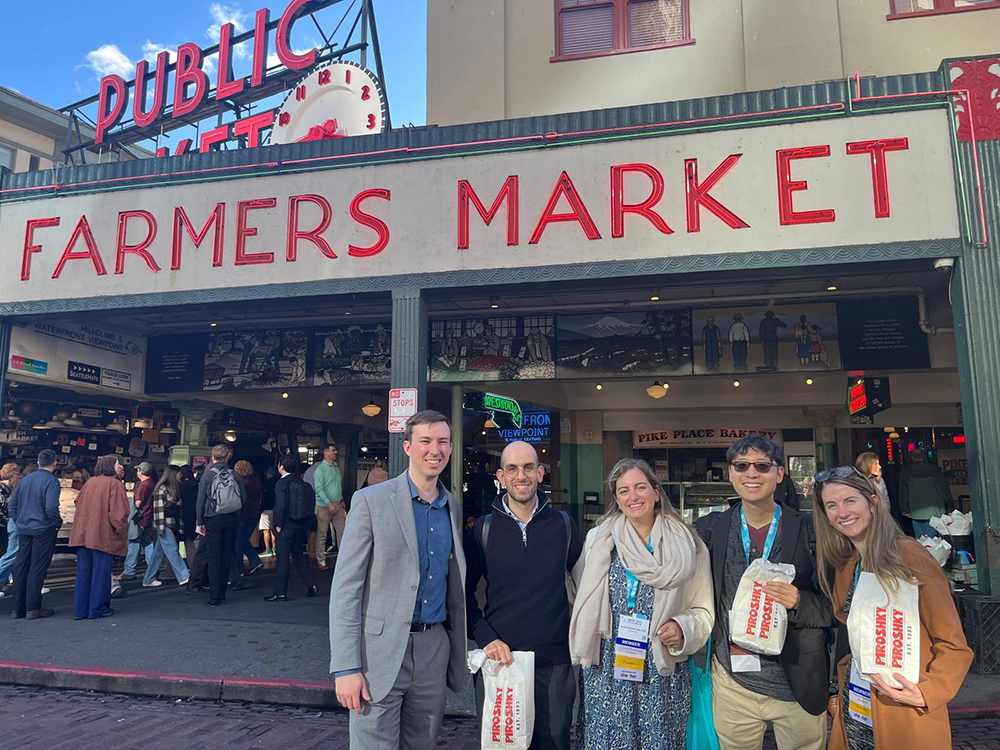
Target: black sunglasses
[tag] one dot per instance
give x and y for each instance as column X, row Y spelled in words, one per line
column 762, row 467
column 840, row 471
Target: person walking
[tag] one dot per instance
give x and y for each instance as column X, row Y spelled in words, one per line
column 330, row 511
column 749, row 690
column 221, row 496
column 923, row 493
column 855, row 533
column 249, row 518
column 10, row 473
column 164, row 528
column 267, row 500
column 99, row 534
column 378, row 474
column 188, row 488
column 397, row 604
column 142, row 518
column 526, row 550
column 647, row 578
column 34, row 508
column 294, row 517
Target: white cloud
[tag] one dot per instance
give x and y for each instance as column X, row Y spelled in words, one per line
column 151, row 49
column 209, row 64
column 223, row 14
column 108, row 59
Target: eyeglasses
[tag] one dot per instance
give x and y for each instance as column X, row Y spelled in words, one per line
column 840, row 471
column 762, row 467
column 513, row 471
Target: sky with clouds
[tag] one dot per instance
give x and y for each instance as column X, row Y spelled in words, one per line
column 57, row 51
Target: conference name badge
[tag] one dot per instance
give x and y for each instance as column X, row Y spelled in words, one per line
column 859, row 697
column 631, row 648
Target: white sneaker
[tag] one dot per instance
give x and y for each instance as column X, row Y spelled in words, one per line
column 2, row 594
column 183, row 583
column 46, row 590
column 152, row 584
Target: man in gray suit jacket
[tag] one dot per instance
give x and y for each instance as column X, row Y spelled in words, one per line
column 397, row 606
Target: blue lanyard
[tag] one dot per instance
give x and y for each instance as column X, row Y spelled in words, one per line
column 632, row 583
column 857, row 572
column 771, row 533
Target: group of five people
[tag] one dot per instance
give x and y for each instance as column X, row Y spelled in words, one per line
column 406, row 593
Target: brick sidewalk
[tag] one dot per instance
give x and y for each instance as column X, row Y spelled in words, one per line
column 45, row 719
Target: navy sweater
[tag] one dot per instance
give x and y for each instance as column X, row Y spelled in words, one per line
column 34, row 506
column 526, row 603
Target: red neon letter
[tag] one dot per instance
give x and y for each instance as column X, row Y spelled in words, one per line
column 369, row 221
column 210, row 138
column 509, row 193
column 564, row 186
column 108, row 116
column 698, row 194
column 224, row 88
column 313, row 235
column 787, row 186
column 122, row 247
column 188, row 71
column 29, row 243
column 82, row 230
column 260, row 47
column 143, row 119
column 281, row 39
column 243, row 231
column 218, row 216
column 645, row 209
column 880, row 178
column 251, row 127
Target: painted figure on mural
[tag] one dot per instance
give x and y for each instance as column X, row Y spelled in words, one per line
column 449, row 348
column 332, row 344
column 538, row 346
column 492, row 341
column 815, row 344
column 711, row 339
column 381, row 339
column 739, row 340
column 801, row 334
column 768, row 330
column 249, row 347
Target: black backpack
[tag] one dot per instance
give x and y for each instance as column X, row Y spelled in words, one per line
column 484, row 534
column 301, row 502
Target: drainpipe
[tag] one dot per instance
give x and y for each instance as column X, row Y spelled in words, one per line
column 925, row 325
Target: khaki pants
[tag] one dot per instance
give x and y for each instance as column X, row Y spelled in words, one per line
column 323, row 520
column 742, row 716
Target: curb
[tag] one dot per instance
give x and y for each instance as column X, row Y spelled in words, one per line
column 318, row 694
column 987, row 710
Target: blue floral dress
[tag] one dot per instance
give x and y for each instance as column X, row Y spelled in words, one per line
column 623, row 715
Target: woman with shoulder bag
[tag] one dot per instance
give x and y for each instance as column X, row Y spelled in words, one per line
column 166, row 519
column 855, row 534
column 99, row 533
column 9, row 474
column 646, row 587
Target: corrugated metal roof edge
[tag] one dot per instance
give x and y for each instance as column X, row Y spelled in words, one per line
column 22, row 185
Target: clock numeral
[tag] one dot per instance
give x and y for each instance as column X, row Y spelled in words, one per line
column 347, row 75
column 366, row 93
column 371, row 122
column 284, row 119
column 300, row 93
column 324, row 77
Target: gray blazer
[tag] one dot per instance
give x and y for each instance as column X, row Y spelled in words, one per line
column 375, row 588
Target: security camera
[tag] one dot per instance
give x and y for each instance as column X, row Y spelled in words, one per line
column 944, row 264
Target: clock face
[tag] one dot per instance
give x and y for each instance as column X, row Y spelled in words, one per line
column 335, row 100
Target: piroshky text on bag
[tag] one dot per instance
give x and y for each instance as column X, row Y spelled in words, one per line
column 226, row 492
column 759, row 623
column 884, row 629
column 509, row 702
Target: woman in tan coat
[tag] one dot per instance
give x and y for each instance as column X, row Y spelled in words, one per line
column 100, row 532
column 855, row 533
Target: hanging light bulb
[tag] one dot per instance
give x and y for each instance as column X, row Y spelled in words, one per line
column 371, row 409
column 657, row 390
column 490, row 423
column 231, row 436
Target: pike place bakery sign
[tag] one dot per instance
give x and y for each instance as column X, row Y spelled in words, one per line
column 863, row 180
column 710, row 437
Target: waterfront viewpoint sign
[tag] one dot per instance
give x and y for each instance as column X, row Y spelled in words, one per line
column 863, row 180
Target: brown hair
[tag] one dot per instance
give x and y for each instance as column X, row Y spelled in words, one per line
column 880, row 549
column 666, row 509
column 221, row 452
column 428, row 416
column 864, row 462
column 9, row 471
column 244, row 468
column 105, row 466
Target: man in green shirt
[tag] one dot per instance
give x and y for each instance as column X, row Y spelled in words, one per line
column 329, row 503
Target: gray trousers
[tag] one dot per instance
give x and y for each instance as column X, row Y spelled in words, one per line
column 555, row 694
column 409, row 717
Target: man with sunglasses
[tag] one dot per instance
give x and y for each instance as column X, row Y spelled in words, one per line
column 750, row 691
column 525, row 550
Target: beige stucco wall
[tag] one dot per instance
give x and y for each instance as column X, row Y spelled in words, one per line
column 26, row 143
column 876, row 46
column 490, row 59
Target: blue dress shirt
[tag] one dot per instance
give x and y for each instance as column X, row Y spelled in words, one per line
column 434, row 545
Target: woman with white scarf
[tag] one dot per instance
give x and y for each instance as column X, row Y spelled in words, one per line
column 646, row 570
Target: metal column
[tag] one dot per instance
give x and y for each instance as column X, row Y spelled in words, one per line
column 409, row 359
column 5, row 328
column 457, row 441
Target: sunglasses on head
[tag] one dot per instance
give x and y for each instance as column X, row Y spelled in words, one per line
column 762, row 467
column 840, row 471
